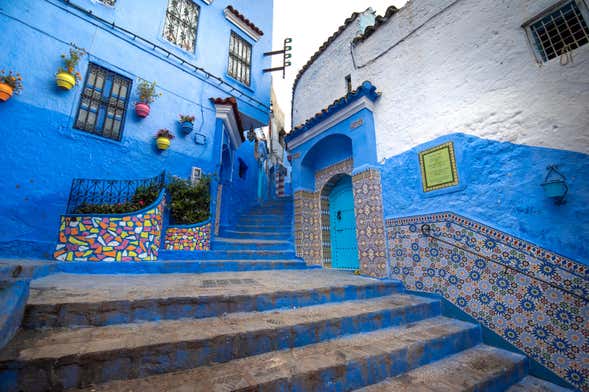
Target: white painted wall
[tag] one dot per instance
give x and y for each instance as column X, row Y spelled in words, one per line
column 449, row 66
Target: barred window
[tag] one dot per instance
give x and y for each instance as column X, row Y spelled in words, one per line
column 181, row 23
column 103, row 103
column 559, row 31
column 240, row 59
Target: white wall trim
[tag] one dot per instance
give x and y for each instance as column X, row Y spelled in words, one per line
column 353, row 108
column 227, row 114
column 231, row 17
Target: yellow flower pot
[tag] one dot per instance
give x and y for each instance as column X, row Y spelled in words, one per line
column 163, row 143
column 5, row 92
column 65, row 80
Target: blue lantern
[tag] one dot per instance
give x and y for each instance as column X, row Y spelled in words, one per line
column 555, row 186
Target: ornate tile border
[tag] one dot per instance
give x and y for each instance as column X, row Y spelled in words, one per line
column 134, row 237
column 370, row 223
column 533, row 298
column 308, row 226
column 188, row 238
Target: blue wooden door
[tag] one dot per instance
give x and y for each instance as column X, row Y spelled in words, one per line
column 344, row 248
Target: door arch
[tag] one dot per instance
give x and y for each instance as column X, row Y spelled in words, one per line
column 340, row 235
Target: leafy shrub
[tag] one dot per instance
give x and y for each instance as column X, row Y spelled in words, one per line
column 143, row 196
column 189, row 203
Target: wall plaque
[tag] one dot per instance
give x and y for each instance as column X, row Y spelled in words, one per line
column 438, row 167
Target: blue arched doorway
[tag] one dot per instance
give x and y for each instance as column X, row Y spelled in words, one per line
column 339, row 223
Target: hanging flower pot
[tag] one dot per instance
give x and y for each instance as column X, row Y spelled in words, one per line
column 67, row 76
column 163, row 139
column 186, row 123
column 10, row 83
column 142, row 109
column 65, row 80
column 163, row 143
column 5, row 92
column 147, row 94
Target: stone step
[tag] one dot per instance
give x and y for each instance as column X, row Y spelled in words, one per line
column 66, row 300
column 265, row 219
column 224, row 243
column 481, row 368
column 533, row 384
column 335, row 365
column 232, row 233
column 273, row 228
column 56, row 359
column 229, row 254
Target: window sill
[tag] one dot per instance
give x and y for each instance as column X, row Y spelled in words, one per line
column 240, row 84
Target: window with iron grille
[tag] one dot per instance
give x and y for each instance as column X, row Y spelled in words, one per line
column 559, row 30
column 181, row 23
column 103, row 103
column 240, row 59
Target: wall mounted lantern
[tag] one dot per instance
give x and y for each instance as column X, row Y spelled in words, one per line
column 555, row 186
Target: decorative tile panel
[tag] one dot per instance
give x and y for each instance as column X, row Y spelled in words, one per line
column 370, row 231
column 188, row 238
column 324, row 175
column 535, row 299
column 308, row 226
column 111, row 238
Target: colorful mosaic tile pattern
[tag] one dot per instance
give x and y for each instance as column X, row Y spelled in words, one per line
column 117, row 238
column 323, row 176
column 188, row 238
column 370, row 223
column 533, row 298
column 308, row 227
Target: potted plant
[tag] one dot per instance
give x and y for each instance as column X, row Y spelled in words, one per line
column 163, row 138
column 187, row 123
column 10, row 83
column 147, row 95
column 67, row 76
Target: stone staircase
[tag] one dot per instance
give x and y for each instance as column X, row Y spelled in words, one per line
column 274, row 329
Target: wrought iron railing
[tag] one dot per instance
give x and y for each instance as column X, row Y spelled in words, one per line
column 97, row 192
column 426, row 231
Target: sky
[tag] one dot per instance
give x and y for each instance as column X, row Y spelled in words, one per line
column 309, row 23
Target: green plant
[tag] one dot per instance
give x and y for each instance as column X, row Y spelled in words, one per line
column 14, row 80
column 189, row 202
column 164, row 133
column 70, row 62
column 143, row 197
column 147, row 91
column 186, row 118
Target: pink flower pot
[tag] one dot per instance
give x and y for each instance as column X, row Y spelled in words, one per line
column 142, row 109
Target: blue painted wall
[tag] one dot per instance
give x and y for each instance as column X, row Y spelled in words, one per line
column 335, row 144
column 41, row 153
column 500, row 186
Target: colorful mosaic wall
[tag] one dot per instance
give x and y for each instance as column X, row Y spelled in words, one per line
column 188, row 238
column 111, row 238
column 370, row 223
column 308, row 227
column 534, row 299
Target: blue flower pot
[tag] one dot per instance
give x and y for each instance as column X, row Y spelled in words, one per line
column 187, row 127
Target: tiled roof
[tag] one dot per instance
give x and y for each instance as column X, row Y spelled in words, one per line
column 244, row 19
column 380, row 20
column 366, row 89
column 367, row 33
column 233, row 102
column 322, row 48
